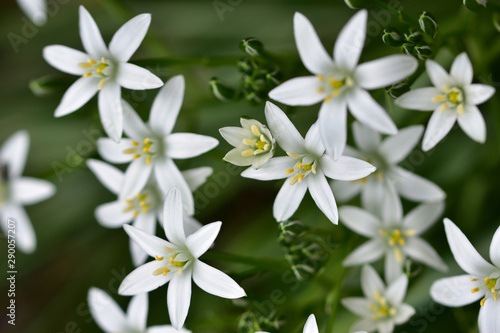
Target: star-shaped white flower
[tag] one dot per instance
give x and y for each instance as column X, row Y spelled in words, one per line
column 385, row 156
column 341, row 83
column 311, row 326
column 176, row 261
column 383, row 307
column 151, row 147
column 17, row 191
column 110, row 317
column 482, row 280
column 393, row 236
column 36, row 10
column 254, row 144
column 305, row 168
column 453, row 98
column 142, row 209
column 103, row 70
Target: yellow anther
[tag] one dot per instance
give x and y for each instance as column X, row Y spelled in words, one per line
column 382, row 232
column 475, row 290
column 162, row 270
column 145, row 210
column 445, row 89
column 255, row 130
column 85, row 65
column 179, row 272
column 130, row 151
column 136, row 156
column 101, row 83
column 460, row 109
column 482, row 301
column 335, row 92
column 134, row 143
column 129, row 201
column 299, row 165
column 337, row 84
column 146, row 141
column 87, row 74
column 410, row 232
column 136, row 213
column 380, row 176
column 293, row 155
column 399, row 254
column 439, row 98
column 472, row 279
column 258, row 151
column 171, row 260
column 486, row 279
column 169, row 249
column 320, row 78
column 92, row 62
column 443, row 107
column 328, row 98
column 313, row 168
column 128, row 209
column 320, row 90
column 138, row 196
column 349, row 82
column 267, row 146
column 495, row 297
column 262, row 138
column 294, row 179
column 289, row 171
column 246, row 153
column 148, row 160
column 402, row 242
column 145, row 149
column 249, row 142
column 301, row 177
column 306, row 167
column 158, row 258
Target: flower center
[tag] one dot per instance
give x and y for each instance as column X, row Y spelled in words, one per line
column 451, row 97
column 141, row 203
column 171, row 264
column 489, row 284
column 257, row 144
column 146, row 148
column 97, row 68
column 304, row 166
column 381, row 309
column 397, row 239
column 334, row 86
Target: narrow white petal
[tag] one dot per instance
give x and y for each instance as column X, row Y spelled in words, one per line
column 393, row 268
column 396, row 290
column 495, row 248
column 201, row 240
column 371, row 282
column 65, row 59
column 179, row 298
column 111, row 110
column 472, row 123
column 137, row 312
column 311, row 325
column 461, row 69
column 344, row 190
column 133, row 77
column 298, row 91
column 455, row 291
column 36, row 10
column 90, row 35
column 275, row 168
column 364, row 325
column 107, row 314
column 25, row 234
column 464, row 252
column 357, row 305
column 197, row 176
column 141, row 280
column 166, row 329
column 489, row 320
column 437, row 74
column 113, row 214
column 423, row 216
column 27, row 190
column 154, row 246
column 365, row 253
column 385, row 326
column 403, row 314
column 313, row 141
column 77, row 95
column 395, row 148
column 191, row 225
column 136, row 177
column 167, row 105
column 168, row 176
column 215, row 282
column 127, row 39
column 345, row 168
column 332, row 120
column 385, row 71
column 147, row 223
column 234, row 135
column 283, row 130
column 365, row 109
column 416, row 188
column 421, row 251
column 323, row 196
column 350, row 41
column 14, row 152
column 173, row 221
column 419, row 99
column 372, row 194
column 113, row 152
column 187, row 145
column 359, row 221
column 366, row 138
column 391, row 208
column 478, row 93
column 288, row 200
column 109, row 176
column 311, row 51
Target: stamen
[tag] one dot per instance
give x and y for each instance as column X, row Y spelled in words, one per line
column 263, row 138
column 336, row 92
column 301, row 177
column 443, row 107
column 299, row 165
column 328, row 98
column 162, row 270
column 486, row 279
column 293, row 155
column 472, row 279
column 158, row 258
column 249, row 142
column 439, row 98
column 169, row 249
column 320, row 90
column 148, row 160
column 136, row 156
column 134, row 143
column 289, row 171
column 445, row 89
column 475, row 290
column 255, row 130
column 85, row 65
column 313, row 168
column 101, row 83
column 410, row 233
column 294, row 179
column 482, row 301
column 136, row 213
column 87, row 74
column 495, row 297
column 130, row 151
column 320, row 78
column 246, row 153
column 460, row 109
column 335, row 83
column 92, row 62
column 399, row 254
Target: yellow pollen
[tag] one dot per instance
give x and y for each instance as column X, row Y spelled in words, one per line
column 158, row 258
column 148, row 160
column 136, row 156
column 402, row 242
column 134, row 143
column 445, row 89
column 495, row 297
column 439, row 98
column 136, row 213
column 486, row 279
column 299, row 165
column 460, row 109
column 169, row 249
column 130, row 151
column 249, row 142
column 301, row 177
column 443, row 107
column 335, row 93
column 146, row 141
column 482, row 301
column 289, row 171
column 472, row 279
column 162, row 270
column 101, row 84
column 320, row 78
column 87, row 74
column 475, row 290
column 307, row 167
column 92, row 62
column 399, row 254
column 410, row 232
column 313, row 168
column 255, row 130
column 294, row 179
column 85, row 65
column 171, row 260
column 328, row 98
column 337, row 84
column 320, row 90
column 246, row 153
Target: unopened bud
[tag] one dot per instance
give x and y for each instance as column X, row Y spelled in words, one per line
column 413, row 36
column 428, row 23
column 48, row 85
column 408, row 48
column 357, row 4
column 221, row 91
column 392, row 37
column 252, row 47
column 245, row 66
column 422, row 51
column 398, row 89
column 475, row 5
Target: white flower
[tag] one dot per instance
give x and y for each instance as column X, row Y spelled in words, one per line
column 393, row 236
column 305, row 167
column 482, row 280
column 110, row 317
column 253, row 142
column 17, row 191
column 142, row 209
column 385, row 156
column 453, row 98
column 102, row 69
column 383, row 307
column 341, row 83
column 36, row 10
column 311, row 326
column 177, row 261
column 152, row 146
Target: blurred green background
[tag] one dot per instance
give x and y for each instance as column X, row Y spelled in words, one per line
column 74, row 252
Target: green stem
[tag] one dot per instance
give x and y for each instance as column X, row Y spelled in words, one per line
column 186, row 61
column 270, row 263
column 394, row 11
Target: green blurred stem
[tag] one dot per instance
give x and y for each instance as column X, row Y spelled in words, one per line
column 273, row 264
column 187, row 61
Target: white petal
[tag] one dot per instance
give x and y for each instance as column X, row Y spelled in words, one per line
column 14, row 152
column 421, row 251
column 65, row 59
column 136, row 177
column 489, row 320
column 234, row 135
column 133, row 77
column 173, row 221
column 395, row 148
column 113, row 215
column 403, row 314
column 191, row 225
column 141, row 280
column 415, row 188
column 455, row 291
column 393, row 268
column 179, row 298
column 275, row 168
column 197, row 176
column 215, row 282
column 363, row 326
column 365, row 253
column 283, row 130
column 77, row 95
column 25, row 235
column 385, row 326
column 168, row 176
column 461, row 69
column 366, row 138
column 311, row 51
column 201, row 240
column 313, row 141
column 323, row 196
column 111, row 110
column 36, row 10
column 332, row 120
column 391, row 208
column 371, row 282
column 357, row 305
column 359, row 221
column 90, row 35
column 146, row 222
column 495, row 248
column 365, row 109
column 478, row 93
column 350, row 41
column 437, row 74
column 472, row 123
column 109, row 176
column 165, row 329
column 372, row 194
column 187, row 145
column 345, row 168
column 128, row 38
column 112, row 151
column 166, row 105
column 288, row 200
column 298, row 91
column 107, row 314
column 345, row 191
column 423, row 216
column 133, row 125
column 419, row 99
column 137, row 312
column 154, row 246
column 396, row 290
column 385, row 71
column 27, row 190
column 464, row 252
column 311, row 325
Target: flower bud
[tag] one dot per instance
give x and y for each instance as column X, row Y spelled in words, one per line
column 245, row 66
column 392, row 37
column 413, row 36
column 357, row 4
column 408, row 48
column 475, row 5
column 398, row 89
column 252, row 47
column 220, row 91
column 428, row 23
column 422, row 51
column 253, row 97
column 47, row 85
